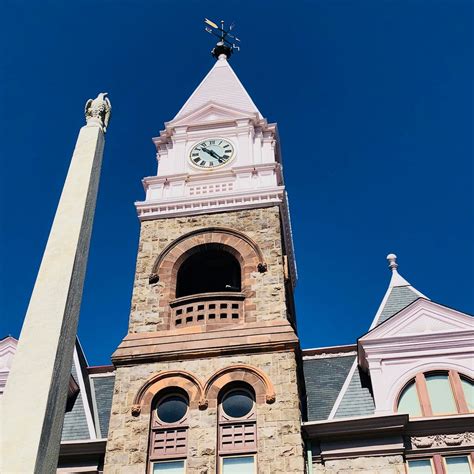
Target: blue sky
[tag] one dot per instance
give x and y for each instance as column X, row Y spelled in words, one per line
column 374, row 104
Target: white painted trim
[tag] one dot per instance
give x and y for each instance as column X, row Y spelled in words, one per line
column 385, row 298
column 204, row 204
column 85, row 400
column 343, row 391
column 94, row 408
column 330, row 355
column 105, row 374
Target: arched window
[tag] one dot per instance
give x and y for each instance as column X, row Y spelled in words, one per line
column 210, row 269
column 169, row 432
column 237, row 430
column 437, row 393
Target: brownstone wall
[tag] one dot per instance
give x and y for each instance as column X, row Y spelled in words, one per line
column 265, row 292
column 280, row 449
column 366, row 465
column 279, row 442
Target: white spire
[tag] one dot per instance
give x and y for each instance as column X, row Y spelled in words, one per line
column 220, row 86
column 391, row 304
column 397, row 279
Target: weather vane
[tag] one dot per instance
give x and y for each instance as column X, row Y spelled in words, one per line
column 223, row 46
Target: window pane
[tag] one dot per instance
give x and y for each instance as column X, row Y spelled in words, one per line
column 468, row 388
column 458, row 465
column 237, row 403
column 422, row 466
column 441, row 395
column 172, row 409
column 409, row 402
column 172, row 467
column 238, row 465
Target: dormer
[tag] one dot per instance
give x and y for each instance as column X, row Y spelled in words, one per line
column 419, row 358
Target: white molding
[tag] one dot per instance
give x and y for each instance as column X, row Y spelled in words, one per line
column 85, row 400
column 343, row 391
column 191, row 205
column 94, row 409
column 105, row 374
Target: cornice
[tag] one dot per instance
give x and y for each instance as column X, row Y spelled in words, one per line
column 355, row 427
column 205, row 204
column 193, row 343
column 209, row 175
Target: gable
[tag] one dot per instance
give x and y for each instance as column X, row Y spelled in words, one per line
column 212, row 112
column 420, row 318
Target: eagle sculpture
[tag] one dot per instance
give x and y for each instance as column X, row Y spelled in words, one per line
column 99, row 109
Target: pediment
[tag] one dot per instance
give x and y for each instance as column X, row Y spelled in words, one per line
column 422, row 317
column 211, row 113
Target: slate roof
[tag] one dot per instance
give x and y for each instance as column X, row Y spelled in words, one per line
column 103, row 391
column 324, row 378
column 357, row 400
column 75, row 422
column 399, row 297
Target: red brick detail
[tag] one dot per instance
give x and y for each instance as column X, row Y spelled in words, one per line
column 259, row 381
column 172, row 378
column 244, row 249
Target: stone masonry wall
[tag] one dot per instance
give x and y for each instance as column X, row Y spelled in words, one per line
column 261, row 225
column 366, row 465
column 280, row 448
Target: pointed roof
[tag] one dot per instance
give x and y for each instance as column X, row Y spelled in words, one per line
column 220, row 86
column 398, row 295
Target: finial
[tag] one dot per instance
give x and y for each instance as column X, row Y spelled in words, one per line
column 392, row 261
column 98, row 110
column 223, row 48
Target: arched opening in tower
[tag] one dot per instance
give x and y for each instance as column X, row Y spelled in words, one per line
column 210, row 269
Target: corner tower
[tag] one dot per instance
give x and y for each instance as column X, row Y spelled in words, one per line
column 207, row 377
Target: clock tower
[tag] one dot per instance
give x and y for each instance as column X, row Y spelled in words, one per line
column 207, row 378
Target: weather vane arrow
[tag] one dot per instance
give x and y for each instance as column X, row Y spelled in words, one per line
column 227, row 41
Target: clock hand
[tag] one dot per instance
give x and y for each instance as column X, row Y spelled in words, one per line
column 219, row 158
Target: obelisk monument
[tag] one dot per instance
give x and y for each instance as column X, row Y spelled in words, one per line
column 34, row 401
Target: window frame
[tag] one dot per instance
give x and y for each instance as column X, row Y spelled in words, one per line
column 469, row 457
column 421, row 387
column 157, row 425
column 430, row 460
column 438, row 461
column 226, row 423
column 242, row 455
column 163, row 461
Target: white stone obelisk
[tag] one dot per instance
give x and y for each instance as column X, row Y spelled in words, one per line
column 34, row 400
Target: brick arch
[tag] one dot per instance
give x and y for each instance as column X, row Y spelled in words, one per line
column 258, row 380
column 241, row 243
column 165, row 380
column 244, row 249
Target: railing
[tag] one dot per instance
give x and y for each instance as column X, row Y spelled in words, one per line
column 207, row 309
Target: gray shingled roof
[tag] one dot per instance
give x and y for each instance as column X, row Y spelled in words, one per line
column 104, row 389
column 75, row 422
column 357, row 401
column 399, row 298
column 324, row 378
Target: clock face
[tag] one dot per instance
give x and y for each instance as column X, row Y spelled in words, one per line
column 211, row 153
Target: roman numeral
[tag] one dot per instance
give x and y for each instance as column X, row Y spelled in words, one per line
column 197, row 160
column 226, row 146
column 212, row 142
column 202, row 163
